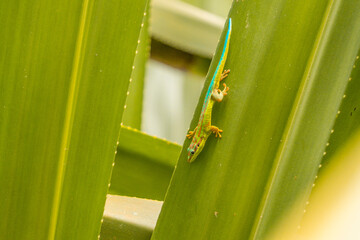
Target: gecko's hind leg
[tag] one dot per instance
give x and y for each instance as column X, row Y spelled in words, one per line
column 216, row 131
column 191, row 133
column 218, row 95
column 224, row 74
column 226, row 89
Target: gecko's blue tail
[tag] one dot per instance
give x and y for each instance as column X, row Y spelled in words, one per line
column 220, row 67
column 224, row 53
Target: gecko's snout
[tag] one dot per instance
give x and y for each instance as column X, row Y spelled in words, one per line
column 191, row 153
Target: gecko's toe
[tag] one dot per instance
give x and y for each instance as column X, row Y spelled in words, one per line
column 190, row 134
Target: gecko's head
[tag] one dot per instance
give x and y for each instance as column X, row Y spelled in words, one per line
column 195, row 148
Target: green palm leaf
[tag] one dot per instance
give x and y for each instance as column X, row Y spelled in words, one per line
column 290, row 63
column 65, row 70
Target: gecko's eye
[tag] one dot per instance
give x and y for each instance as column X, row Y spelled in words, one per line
column 192, row 152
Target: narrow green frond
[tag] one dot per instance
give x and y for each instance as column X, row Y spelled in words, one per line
column 143, row 165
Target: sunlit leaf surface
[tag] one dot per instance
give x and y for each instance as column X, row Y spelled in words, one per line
column 290, row 62
column 64, row 72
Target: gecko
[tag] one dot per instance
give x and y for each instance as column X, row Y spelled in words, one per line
column 204, row 128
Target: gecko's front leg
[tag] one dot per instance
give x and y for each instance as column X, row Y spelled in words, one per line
column 191, row 133
column 216, row 131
